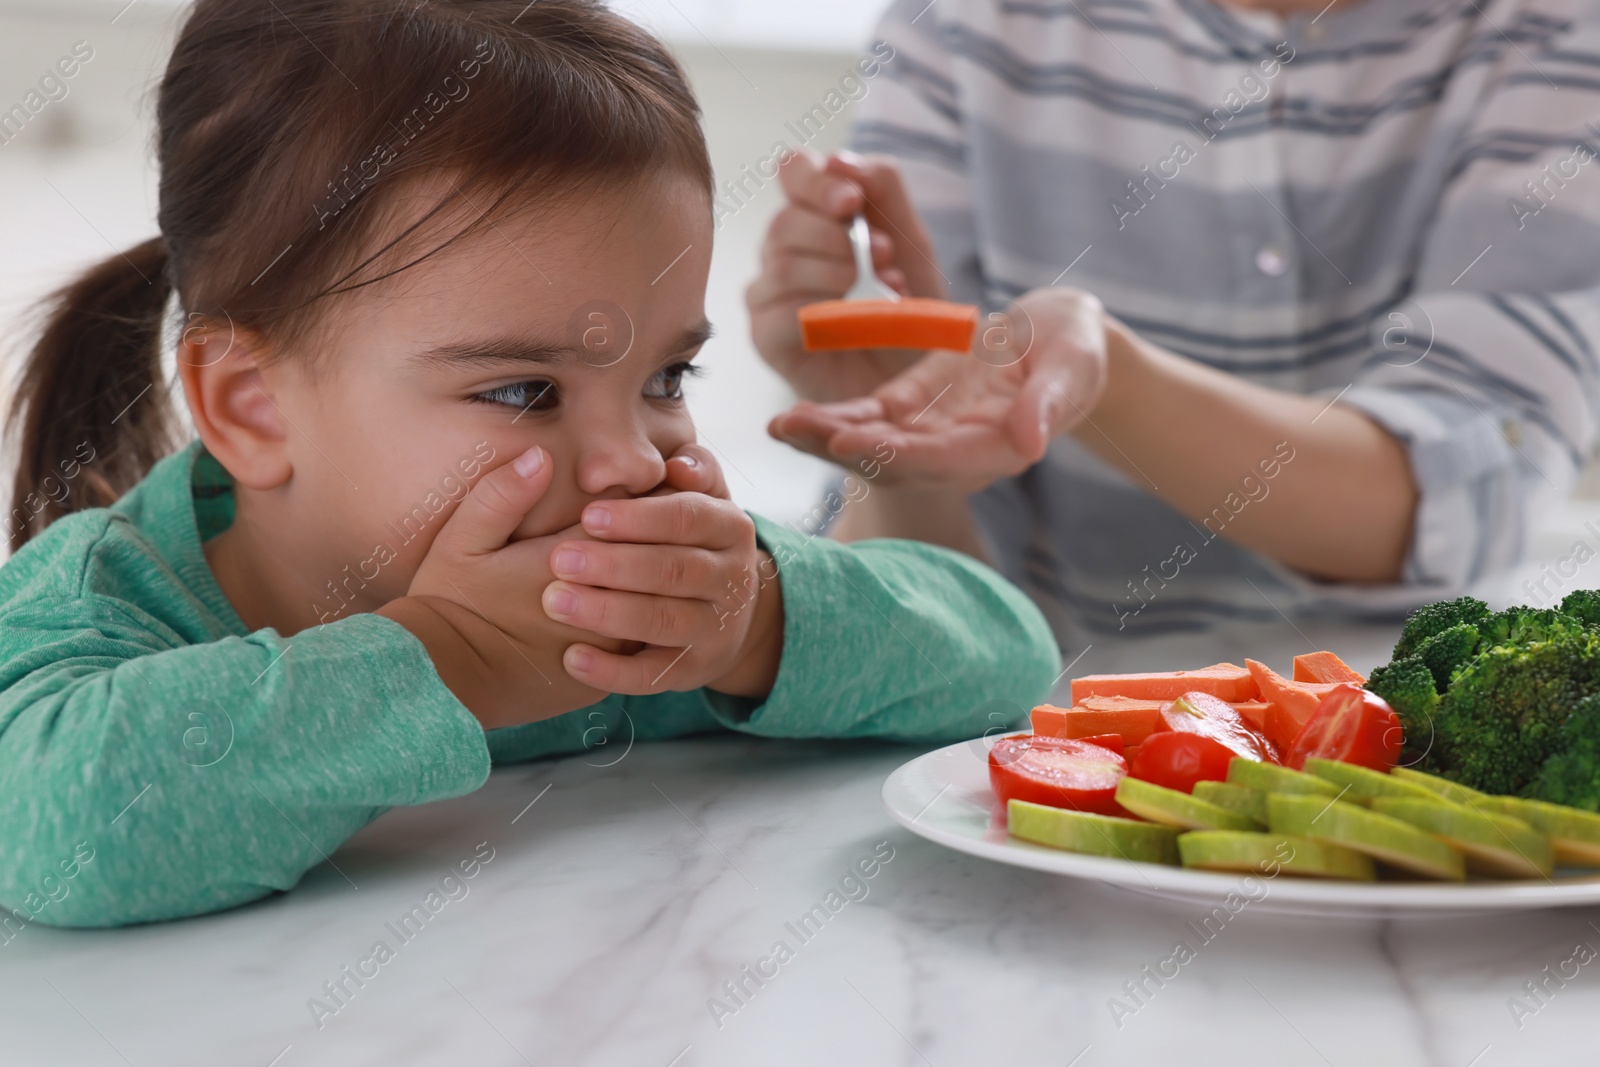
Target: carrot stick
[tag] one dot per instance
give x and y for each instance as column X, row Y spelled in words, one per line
column 914, row 322
column 1134, row 724
column 1226, row 680
column 1292, row 703
column 1325, row 667
column 1048, row 720
column 1254, row 712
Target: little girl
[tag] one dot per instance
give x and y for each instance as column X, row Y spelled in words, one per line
column 443, row 268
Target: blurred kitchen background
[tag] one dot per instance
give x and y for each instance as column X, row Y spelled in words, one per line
column 78, row 182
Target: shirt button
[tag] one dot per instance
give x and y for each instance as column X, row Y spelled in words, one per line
column 1271, row 261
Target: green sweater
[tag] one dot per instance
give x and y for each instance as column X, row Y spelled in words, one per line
column 158, row 759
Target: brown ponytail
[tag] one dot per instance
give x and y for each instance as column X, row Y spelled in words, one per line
column 285, row 129
column 90, row 412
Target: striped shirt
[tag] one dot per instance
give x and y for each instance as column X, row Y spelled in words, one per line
column 1394, row 204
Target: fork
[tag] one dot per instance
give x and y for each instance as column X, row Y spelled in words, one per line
column 868, row 285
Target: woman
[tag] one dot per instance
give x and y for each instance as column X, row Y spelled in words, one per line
column 1306, row 292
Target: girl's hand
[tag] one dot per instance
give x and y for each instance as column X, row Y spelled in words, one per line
column 962, row 420
column 474, row 604
column 806, row 257
column 693, row 469
column 682, row 574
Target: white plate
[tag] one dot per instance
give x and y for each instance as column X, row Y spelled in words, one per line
column 944, row 796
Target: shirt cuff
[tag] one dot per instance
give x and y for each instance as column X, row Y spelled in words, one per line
column 1469, row 514
column 810, row 651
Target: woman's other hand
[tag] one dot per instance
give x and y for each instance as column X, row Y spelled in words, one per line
column 807, row 257
column 963, row 420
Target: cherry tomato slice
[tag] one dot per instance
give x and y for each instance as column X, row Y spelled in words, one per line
column 1178, row 760
column 1213, row 717
column 1350, row 725
column 1057, row 771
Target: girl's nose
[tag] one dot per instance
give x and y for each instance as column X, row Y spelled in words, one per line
column 610, row 461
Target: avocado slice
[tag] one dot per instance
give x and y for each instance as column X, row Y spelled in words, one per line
column 1229, row 850
column 1500, row 845
column 1362, row 784
column 1271, row 778
column 1172, row 808
column 1573, row 832
column 1383, row 837
column 1444, row 787
column 1251, row 803
column 1093, row 835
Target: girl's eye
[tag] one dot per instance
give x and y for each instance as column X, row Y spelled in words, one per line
column 536, row 395
column 668, row 382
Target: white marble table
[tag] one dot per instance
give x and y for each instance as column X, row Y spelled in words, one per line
column 623, row 893
column 620, row 898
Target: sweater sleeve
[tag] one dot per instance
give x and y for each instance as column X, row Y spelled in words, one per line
column 894, row 639
column 202, row 776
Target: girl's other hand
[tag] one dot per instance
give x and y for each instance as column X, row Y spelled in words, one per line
column 693, row 469
column 682, row 574
column 806, row 257
column 958, row 420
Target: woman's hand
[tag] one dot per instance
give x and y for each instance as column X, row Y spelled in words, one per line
column 963, row 420
column 806, row 257
column 681, row 574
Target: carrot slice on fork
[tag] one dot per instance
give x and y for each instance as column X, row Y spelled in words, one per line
column 914, row 322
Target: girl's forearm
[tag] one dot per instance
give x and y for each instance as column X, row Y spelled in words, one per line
column 349, row 718
column 937, row 516
column 1339, row 507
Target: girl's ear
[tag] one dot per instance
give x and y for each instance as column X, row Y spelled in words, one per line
column 232, row 404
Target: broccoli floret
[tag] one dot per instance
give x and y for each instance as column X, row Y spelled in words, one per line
column 1503, row 714
column 1517, row 626
column 1571, row 775
column 1437, row 618
column 1505, row 701
column 1408, row 687
column 1583, row 604
column 1448, row 651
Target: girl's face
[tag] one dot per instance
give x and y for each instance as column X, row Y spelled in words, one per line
column 571, row 327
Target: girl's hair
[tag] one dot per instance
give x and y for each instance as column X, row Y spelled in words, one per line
column 284, row 127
